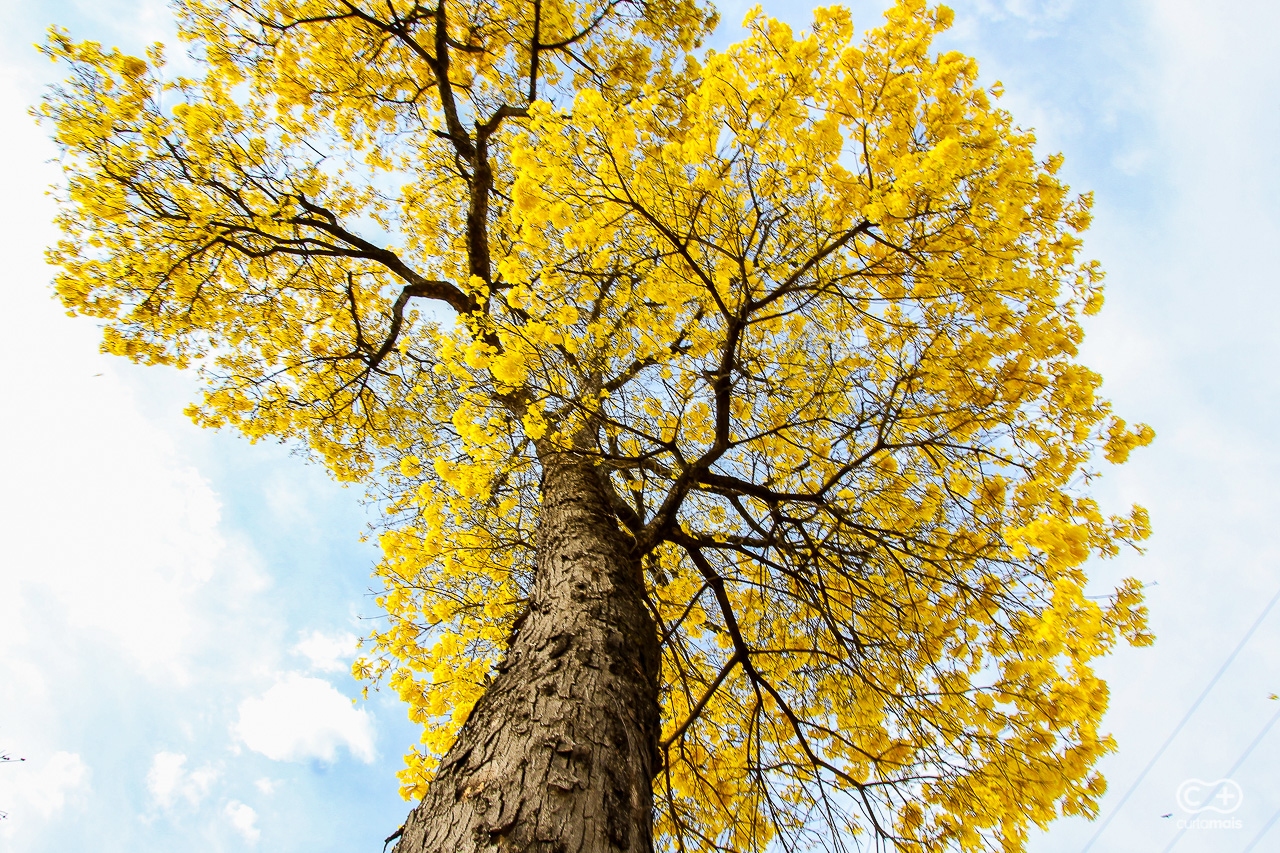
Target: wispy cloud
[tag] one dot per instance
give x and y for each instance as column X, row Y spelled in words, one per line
column 244, row 820
column 301, row 718
column 328, row 652
column 41, row 788
column 168, row 780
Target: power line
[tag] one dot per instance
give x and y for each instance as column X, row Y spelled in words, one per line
column 1181, row 723
column 1248, row 750
column 1258, row 837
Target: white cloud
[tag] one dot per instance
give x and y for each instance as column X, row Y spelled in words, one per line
column 145, row 533
column 266, row 785
column 328, row 653
column 41, row 788
column 168, row 780
column 124, row 587
column 63, row 775
column 244, row 819
column 302, row 718
column 146, row 525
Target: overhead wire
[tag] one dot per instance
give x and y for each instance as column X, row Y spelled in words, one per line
column 1262, row 832
column 1183, row 722
column 1234, row 767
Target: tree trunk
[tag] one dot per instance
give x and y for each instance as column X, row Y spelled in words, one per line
column 559, row 754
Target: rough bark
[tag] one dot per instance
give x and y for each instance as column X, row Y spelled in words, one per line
column 559, row 754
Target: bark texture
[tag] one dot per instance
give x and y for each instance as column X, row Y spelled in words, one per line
column 559, row 754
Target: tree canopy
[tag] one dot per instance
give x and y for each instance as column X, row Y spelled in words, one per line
column 808, row 307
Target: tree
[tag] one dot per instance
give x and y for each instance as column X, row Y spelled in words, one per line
column 724, row 408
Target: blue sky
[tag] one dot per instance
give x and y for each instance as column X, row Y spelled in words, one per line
column 177, row 607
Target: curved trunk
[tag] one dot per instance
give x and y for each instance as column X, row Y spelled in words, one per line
column 560, row 752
